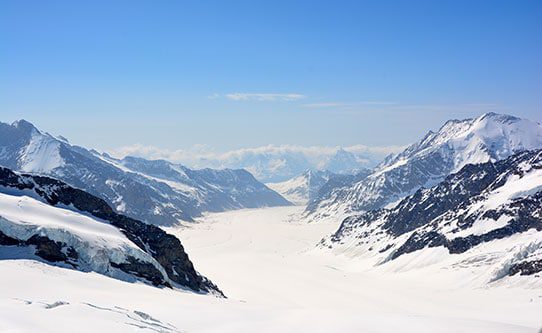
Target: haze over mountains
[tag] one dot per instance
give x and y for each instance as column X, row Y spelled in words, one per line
column 273, row 163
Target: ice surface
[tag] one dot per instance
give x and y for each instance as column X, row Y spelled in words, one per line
column 96, row 242
column 266, row 262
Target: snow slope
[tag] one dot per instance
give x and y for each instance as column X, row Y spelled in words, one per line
column 96, row 242
column 41, row 155
column 487, row 214
column 288, row 288
column 303, row 188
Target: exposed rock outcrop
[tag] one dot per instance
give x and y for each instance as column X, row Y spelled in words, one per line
column 166, row 249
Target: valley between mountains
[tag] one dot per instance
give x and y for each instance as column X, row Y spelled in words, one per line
column 275, row 280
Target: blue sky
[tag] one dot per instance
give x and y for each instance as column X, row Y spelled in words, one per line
column 231, row 74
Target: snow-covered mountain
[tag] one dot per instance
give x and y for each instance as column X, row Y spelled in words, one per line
column 344, row 162
column 46, row 218
column 303, row 188
column 156, row 192
column 490, row 137
column 335, row 183
column 491, row 213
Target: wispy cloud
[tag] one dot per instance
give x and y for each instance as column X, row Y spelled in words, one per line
column 326, row 105
column 260, row 97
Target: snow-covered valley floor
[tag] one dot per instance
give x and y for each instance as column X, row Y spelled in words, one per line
column 266, row 262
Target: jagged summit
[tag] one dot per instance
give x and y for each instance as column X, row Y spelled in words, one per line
column 24, row 125
column 341, row 161
column 490, row 137
column 500, row 117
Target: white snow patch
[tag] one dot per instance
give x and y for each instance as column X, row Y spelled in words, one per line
column 515, row 187
column 41, row 155
column 96, row 242
column 295, row 190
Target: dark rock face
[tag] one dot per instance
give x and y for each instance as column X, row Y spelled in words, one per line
column 8, row 241
column 46, row 248
column 418, row 241
column 49, row 249
column 413, row 211
column 426, row 213
column 142, row 269
column 163, row 247
column 526, row 268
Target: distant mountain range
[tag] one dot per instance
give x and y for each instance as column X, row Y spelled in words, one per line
column 156, row 192
column 275, row 164
column 272, row 163
column 490, row 137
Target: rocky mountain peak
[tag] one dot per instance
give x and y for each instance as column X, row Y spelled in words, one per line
column 24, row 125
column 490, row 137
